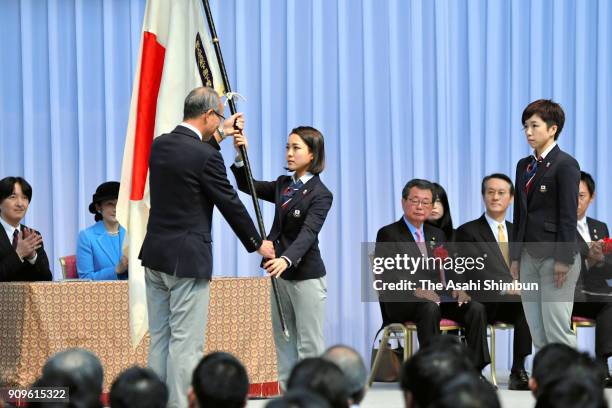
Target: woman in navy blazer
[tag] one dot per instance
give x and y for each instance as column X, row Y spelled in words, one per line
column 100, row 247
column 302, row 202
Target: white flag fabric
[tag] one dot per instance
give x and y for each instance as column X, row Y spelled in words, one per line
column 176, row 55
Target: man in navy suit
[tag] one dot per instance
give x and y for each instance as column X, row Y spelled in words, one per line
column 594, row 289
column 187, row 180
column 22, row 255
column 488, row 237
column 545, row 206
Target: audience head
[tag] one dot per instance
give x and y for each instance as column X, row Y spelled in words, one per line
column 586, row 193
column 323, row 377
column 553, row 360
column 219, row 380
column 353, row 368
column 203, row 109
column 576, row 386
column 80, row 371
column 305, row 150
column 417, row 201
column 543, row 121
column 15, row 197
column 435, row 364
column 497, row 193
column 440, row 215
column 299, row 398
column 138, row 387
column 104, row 202
column 466, row 390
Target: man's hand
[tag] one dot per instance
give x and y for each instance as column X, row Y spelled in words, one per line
column 233, row 125
column 28, row 244
column 427, row 294
column 596, row 255
column 276, row 267
column 122, row 266
column 560, row 274
column 267, row 250
column 461, row 296
column 515, row 268
column 514, row 291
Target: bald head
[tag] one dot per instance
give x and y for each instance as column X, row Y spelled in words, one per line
column 351, row 364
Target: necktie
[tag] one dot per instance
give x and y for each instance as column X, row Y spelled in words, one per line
column 502, row 241
column 289, row 192
column 15, row 238
column 530, row 172
column 421, row 243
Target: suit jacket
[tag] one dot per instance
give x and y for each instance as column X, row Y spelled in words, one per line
column 97, row 255
column 295, row 228
column 594, row 279
column 12, row 269
column 187, row 179
column 475, row 239
column 397, row 239
column 548, row 213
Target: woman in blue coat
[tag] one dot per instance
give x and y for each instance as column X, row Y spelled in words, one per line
column 100, row 247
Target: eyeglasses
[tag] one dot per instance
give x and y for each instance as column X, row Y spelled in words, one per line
column 416, row 202
column 219, row 115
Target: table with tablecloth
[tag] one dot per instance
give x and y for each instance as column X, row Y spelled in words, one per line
column 38, row 319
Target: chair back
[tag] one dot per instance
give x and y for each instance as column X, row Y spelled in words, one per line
column 69, row 270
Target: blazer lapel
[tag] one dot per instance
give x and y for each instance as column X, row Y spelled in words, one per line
column 595, row 234
column 542, row 168
column 105, row 242
column 487, row 236
column 300, row 194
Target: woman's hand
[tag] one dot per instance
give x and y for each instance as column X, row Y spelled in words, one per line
column 122, row 266
column 276, row 266
column 240, row 139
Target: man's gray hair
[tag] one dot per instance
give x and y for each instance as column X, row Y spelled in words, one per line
column 351, row 364
column 199, row 101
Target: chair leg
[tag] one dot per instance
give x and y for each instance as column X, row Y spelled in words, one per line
column 383, row 345
column 493, row 369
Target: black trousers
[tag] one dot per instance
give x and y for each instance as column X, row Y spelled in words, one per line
column 427, row 315
column 512, row 313
column 602, row 313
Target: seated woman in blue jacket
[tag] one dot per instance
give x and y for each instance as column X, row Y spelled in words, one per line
column 100, row 247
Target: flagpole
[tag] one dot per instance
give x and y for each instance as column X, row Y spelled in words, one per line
column 245, row 157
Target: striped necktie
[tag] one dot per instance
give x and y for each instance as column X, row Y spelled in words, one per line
column 530, row 172
column 289, row 192
column 15, row 238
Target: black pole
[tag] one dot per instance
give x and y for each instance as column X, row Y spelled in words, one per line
column 245, row 157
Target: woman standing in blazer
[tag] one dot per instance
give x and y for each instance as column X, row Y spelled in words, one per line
column 302, row 202
column 100, row 247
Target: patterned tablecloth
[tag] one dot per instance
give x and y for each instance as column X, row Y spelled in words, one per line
column 39, row 319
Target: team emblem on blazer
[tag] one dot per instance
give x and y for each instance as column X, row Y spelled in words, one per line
column 543, row 188
column 296, row 213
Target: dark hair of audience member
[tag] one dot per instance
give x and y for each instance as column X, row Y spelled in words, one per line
column 299, row 398
column 445, row 223
column 431, row 367
column 575, row 386
column 323, row 377
column 138, row 387
column 466, row 390
column 7, row 186
column 553, row 360
column 220, row 380
column 350, row 362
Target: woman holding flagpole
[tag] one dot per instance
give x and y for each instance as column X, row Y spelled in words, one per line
column 302, row 202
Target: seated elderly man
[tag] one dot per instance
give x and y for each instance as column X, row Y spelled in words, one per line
column 22, row 255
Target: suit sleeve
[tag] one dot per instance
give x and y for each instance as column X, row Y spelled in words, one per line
column 515, row 247
column 215, row 183
column 40, row 269
column 12, row 269
column 265, row 189
column 568, row 180
column 313, row 223
column 85, row 261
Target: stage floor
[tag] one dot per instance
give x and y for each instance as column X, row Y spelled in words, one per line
column 389, row 396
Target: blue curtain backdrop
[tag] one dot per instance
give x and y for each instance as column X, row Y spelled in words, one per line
column 400, row 89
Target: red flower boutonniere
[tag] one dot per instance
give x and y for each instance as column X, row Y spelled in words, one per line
column 440, row 252
column 607, row 246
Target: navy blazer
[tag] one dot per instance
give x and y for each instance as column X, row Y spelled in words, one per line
column 96, row 255
column 548, row 214
column 295, row 228
column 12, row 269
column 187, row 179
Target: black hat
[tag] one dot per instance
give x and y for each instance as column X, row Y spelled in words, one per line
column 105, row 191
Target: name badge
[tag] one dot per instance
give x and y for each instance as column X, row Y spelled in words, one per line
column 543, row 188
column 296, row 214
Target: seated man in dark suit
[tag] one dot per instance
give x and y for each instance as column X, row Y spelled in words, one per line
column 488, row 237
column 593, row 297
column 22, row 255
column 410, row 237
